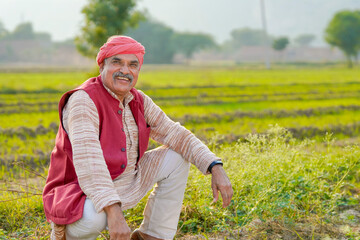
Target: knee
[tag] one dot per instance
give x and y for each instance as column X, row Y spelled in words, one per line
column 86, row 229
column 98, row 223
column 89, row 226
column 180, row 166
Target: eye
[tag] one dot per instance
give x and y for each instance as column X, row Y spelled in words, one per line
column 134, row 65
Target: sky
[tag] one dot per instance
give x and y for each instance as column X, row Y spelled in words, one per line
column 63, row 18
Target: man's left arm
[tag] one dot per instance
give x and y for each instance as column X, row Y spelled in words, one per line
column 183, row 141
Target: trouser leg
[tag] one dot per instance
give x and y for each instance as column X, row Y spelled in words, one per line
column 89, row 226
column 162, row 211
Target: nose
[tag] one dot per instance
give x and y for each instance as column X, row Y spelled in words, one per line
column 124, row 69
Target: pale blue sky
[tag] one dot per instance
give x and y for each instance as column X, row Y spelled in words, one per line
column 62, row 18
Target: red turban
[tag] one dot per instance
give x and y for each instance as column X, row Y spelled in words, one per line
column 121, row 45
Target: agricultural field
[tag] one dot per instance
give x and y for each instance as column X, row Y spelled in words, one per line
column 288, row 139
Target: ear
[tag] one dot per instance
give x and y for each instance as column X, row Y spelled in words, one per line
column 101, row 67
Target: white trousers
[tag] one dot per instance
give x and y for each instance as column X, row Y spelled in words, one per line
column 162, row 211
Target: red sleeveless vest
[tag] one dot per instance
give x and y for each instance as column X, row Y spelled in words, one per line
column 62, row 196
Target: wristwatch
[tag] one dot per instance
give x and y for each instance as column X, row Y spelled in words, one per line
column 213, row 164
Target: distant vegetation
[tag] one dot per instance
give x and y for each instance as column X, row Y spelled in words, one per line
column 24, row 45
column 163, row 44
column 343, row 32
column 23, row 31
column 304, row 40
column 104, row 19
column 279, row 44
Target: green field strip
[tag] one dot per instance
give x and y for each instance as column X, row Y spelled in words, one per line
column 229, row 122
column 30, row 149
column 33, row 146
column 231, row 116
column 28, row 98
column 267, row 89
column 220, row 90
column 37, row 81
column 53, row 106
column 33, row 161
column 260, row 94
column 46, row 106
column 32, row 119
column 6, row 90
column 232, row 99
column 29, row 107
column 190, row 94
column 221, row 108
column 241, row 77
column 29, row 132
column 175, row 78
column 247, row 125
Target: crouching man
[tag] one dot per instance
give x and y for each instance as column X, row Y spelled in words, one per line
column 100, row 167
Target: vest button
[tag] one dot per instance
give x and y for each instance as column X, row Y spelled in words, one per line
column 119, row 112
column 123, row 166
column 123, row 149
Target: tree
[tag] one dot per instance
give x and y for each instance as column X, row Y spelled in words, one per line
column 343, row 32
column 23, row 31
column 157, row 40
column 189, row 43
column 104, row 18
column 280, row 43
column 304, row 40
column 3, row 31
column 247, row 37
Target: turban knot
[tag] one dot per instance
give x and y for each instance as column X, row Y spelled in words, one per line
column 121, row 45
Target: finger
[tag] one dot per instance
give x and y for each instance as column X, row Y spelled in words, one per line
column 226, row 200
column 226, row 195
column 215, row 194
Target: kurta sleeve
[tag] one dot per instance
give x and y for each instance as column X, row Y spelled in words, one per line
column 81, row 122
column 177, row 137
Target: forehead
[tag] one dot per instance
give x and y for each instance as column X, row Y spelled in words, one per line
column 125, row 57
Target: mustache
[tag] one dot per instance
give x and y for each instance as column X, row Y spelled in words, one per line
column 120, row 74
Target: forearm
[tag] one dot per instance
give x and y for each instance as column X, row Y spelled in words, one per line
column 117, row 225
column 114, row 210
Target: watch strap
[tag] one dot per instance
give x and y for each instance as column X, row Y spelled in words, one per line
column 213, row 164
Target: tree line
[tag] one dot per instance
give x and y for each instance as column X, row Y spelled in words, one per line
column 343, row 32
column 162, row 42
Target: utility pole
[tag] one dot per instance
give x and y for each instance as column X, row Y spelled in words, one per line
column 265, row 35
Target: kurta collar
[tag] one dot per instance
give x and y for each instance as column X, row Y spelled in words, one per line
column 127, row 99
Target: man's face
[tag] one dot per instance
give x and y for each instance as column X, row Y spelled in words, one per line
column 120, row 73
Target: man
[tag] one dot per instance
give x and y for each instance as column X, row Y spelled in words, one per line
column 99, row 166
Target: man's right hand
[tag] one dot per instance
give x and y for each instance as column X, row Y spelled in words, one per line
column 118, row 228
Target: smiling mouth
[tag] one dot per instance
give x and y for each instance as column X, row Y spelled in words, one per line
column 123, row 79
